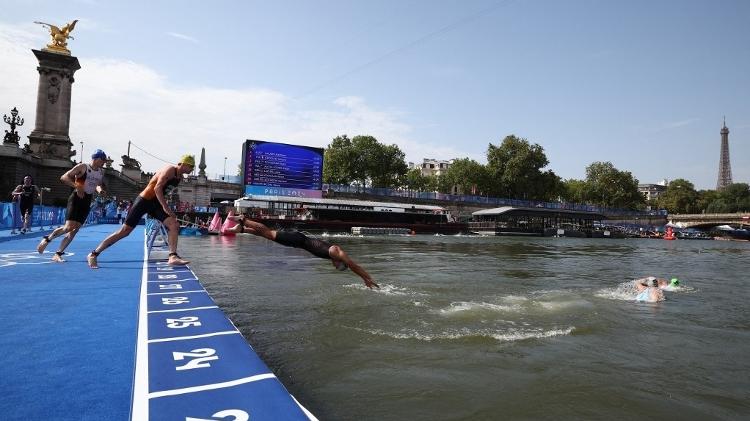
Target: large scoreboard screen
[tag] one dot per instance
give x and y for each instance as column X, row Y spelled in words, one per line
column 279, row 169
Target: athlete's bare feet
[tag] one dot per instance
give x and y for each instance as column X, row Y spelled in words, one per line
column 176, row 260
column 58, row 257
column 92, row 261
column 42, row 244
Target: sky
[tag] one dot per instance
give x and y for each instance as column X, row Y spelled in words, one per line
column 642, row 84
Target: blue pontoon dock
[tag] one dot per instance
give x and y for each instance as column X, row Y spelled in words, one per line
column 136, row 339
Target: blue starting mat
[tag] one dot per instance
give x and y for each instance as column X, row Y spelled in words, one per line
column 136, row 339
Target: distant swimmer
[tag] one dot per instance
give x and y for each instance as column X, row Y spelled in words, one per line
column 152, row 201
column 291, row 238
column 661, row 283
column 648, row 290
column 86, row 179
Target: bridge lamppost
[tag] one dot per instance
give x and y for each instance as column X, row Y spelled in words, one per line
column 14, row 121
column 225, row 170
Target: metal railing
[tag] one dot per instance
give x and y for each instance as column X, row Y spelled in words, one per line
column 484, row 200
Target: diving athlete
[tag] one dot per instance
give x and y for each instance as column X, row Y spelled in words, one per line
column 292, row 238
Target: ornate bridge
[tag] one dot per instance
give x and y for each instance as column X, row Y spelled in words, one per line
column 709, row 219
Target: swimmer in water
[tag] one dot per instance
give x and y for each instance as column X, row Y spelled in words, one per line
column 292, row 238
column 648, row 290
column 661, row 283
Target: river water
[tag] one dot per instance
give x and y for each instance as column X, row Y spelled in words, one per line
column 491, row 328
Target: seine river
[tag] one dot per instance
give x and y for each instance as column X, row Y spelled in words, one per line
column 490, row 328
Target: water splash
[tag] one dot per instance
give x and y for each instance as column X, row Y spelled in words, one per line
column 387, row 289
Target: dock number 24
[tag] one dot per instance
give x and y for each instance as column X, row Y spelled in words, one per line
column 198, row 358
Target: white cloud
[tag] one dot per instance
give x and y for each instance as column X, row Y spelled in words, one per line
column 183, row 37
column 118, row 100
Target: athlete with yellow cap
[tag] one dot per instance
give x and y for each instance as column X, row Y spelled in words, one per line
column 152, row 201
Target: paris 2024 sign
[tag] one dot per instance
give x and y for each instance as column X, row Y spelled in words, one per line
column 280, row 169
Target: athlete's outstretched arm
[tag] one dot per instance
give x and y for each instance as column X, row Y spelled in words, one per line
column 337, row 253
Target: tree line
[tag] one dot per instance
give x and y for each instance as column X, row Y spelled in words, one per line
column 517, row 169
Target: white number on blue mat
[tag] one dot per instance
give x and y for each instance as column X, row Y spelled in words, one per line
column 183, row 322
column 170, row 276
column 174, row 300
column 236, row 414
column 201, row 355
column 170, row 286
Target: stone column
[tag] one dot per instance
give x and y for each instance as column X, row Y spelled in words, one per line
column 50, row 140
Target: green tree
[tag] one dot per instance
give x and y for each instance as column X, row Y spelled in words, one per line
column 719, row 205
column 466, row 175
column 736, row 196
column 680, row 197
column 705, row 198
column 573, row 190
column 608, row 186
column 515, row 168
column 338, row 161
column 388, row 166
column 363, row 160
column 414, row 180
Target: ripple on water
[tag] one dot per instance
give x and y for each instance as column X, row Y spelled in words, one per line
column 506, row 335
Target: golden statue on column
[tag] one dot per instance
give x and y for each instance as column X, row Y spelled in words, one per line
column 60, row 37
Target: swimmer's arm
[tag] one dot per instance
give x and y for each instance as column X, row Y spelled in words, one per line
column 339, row 254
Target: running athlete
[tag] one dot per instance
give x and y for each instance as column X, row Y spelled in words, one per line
column 85, row 180
column 25, row 194
column 291, row 238
column 152, row 200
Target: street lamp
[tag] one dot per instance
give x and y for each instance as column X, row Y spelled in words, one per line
column 82, row 151
column 225, row 170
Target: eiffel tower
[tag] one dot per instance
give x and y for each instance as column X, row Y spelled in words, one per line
column 725, row 167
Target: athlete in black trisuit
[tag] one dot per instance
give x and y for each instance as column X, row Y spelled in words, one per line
column 25, row 194
column 291, row 238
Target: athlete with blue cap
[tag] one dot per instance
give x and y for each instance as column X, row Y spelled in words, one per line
column 85, row 179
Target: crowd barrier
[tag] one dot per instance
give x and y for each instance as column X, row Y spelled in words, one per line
column 42, row 216
column 496, row 201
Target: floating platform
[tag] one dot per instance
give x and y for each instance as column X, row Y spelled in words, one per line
column 380, row 231
column 136, row 339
